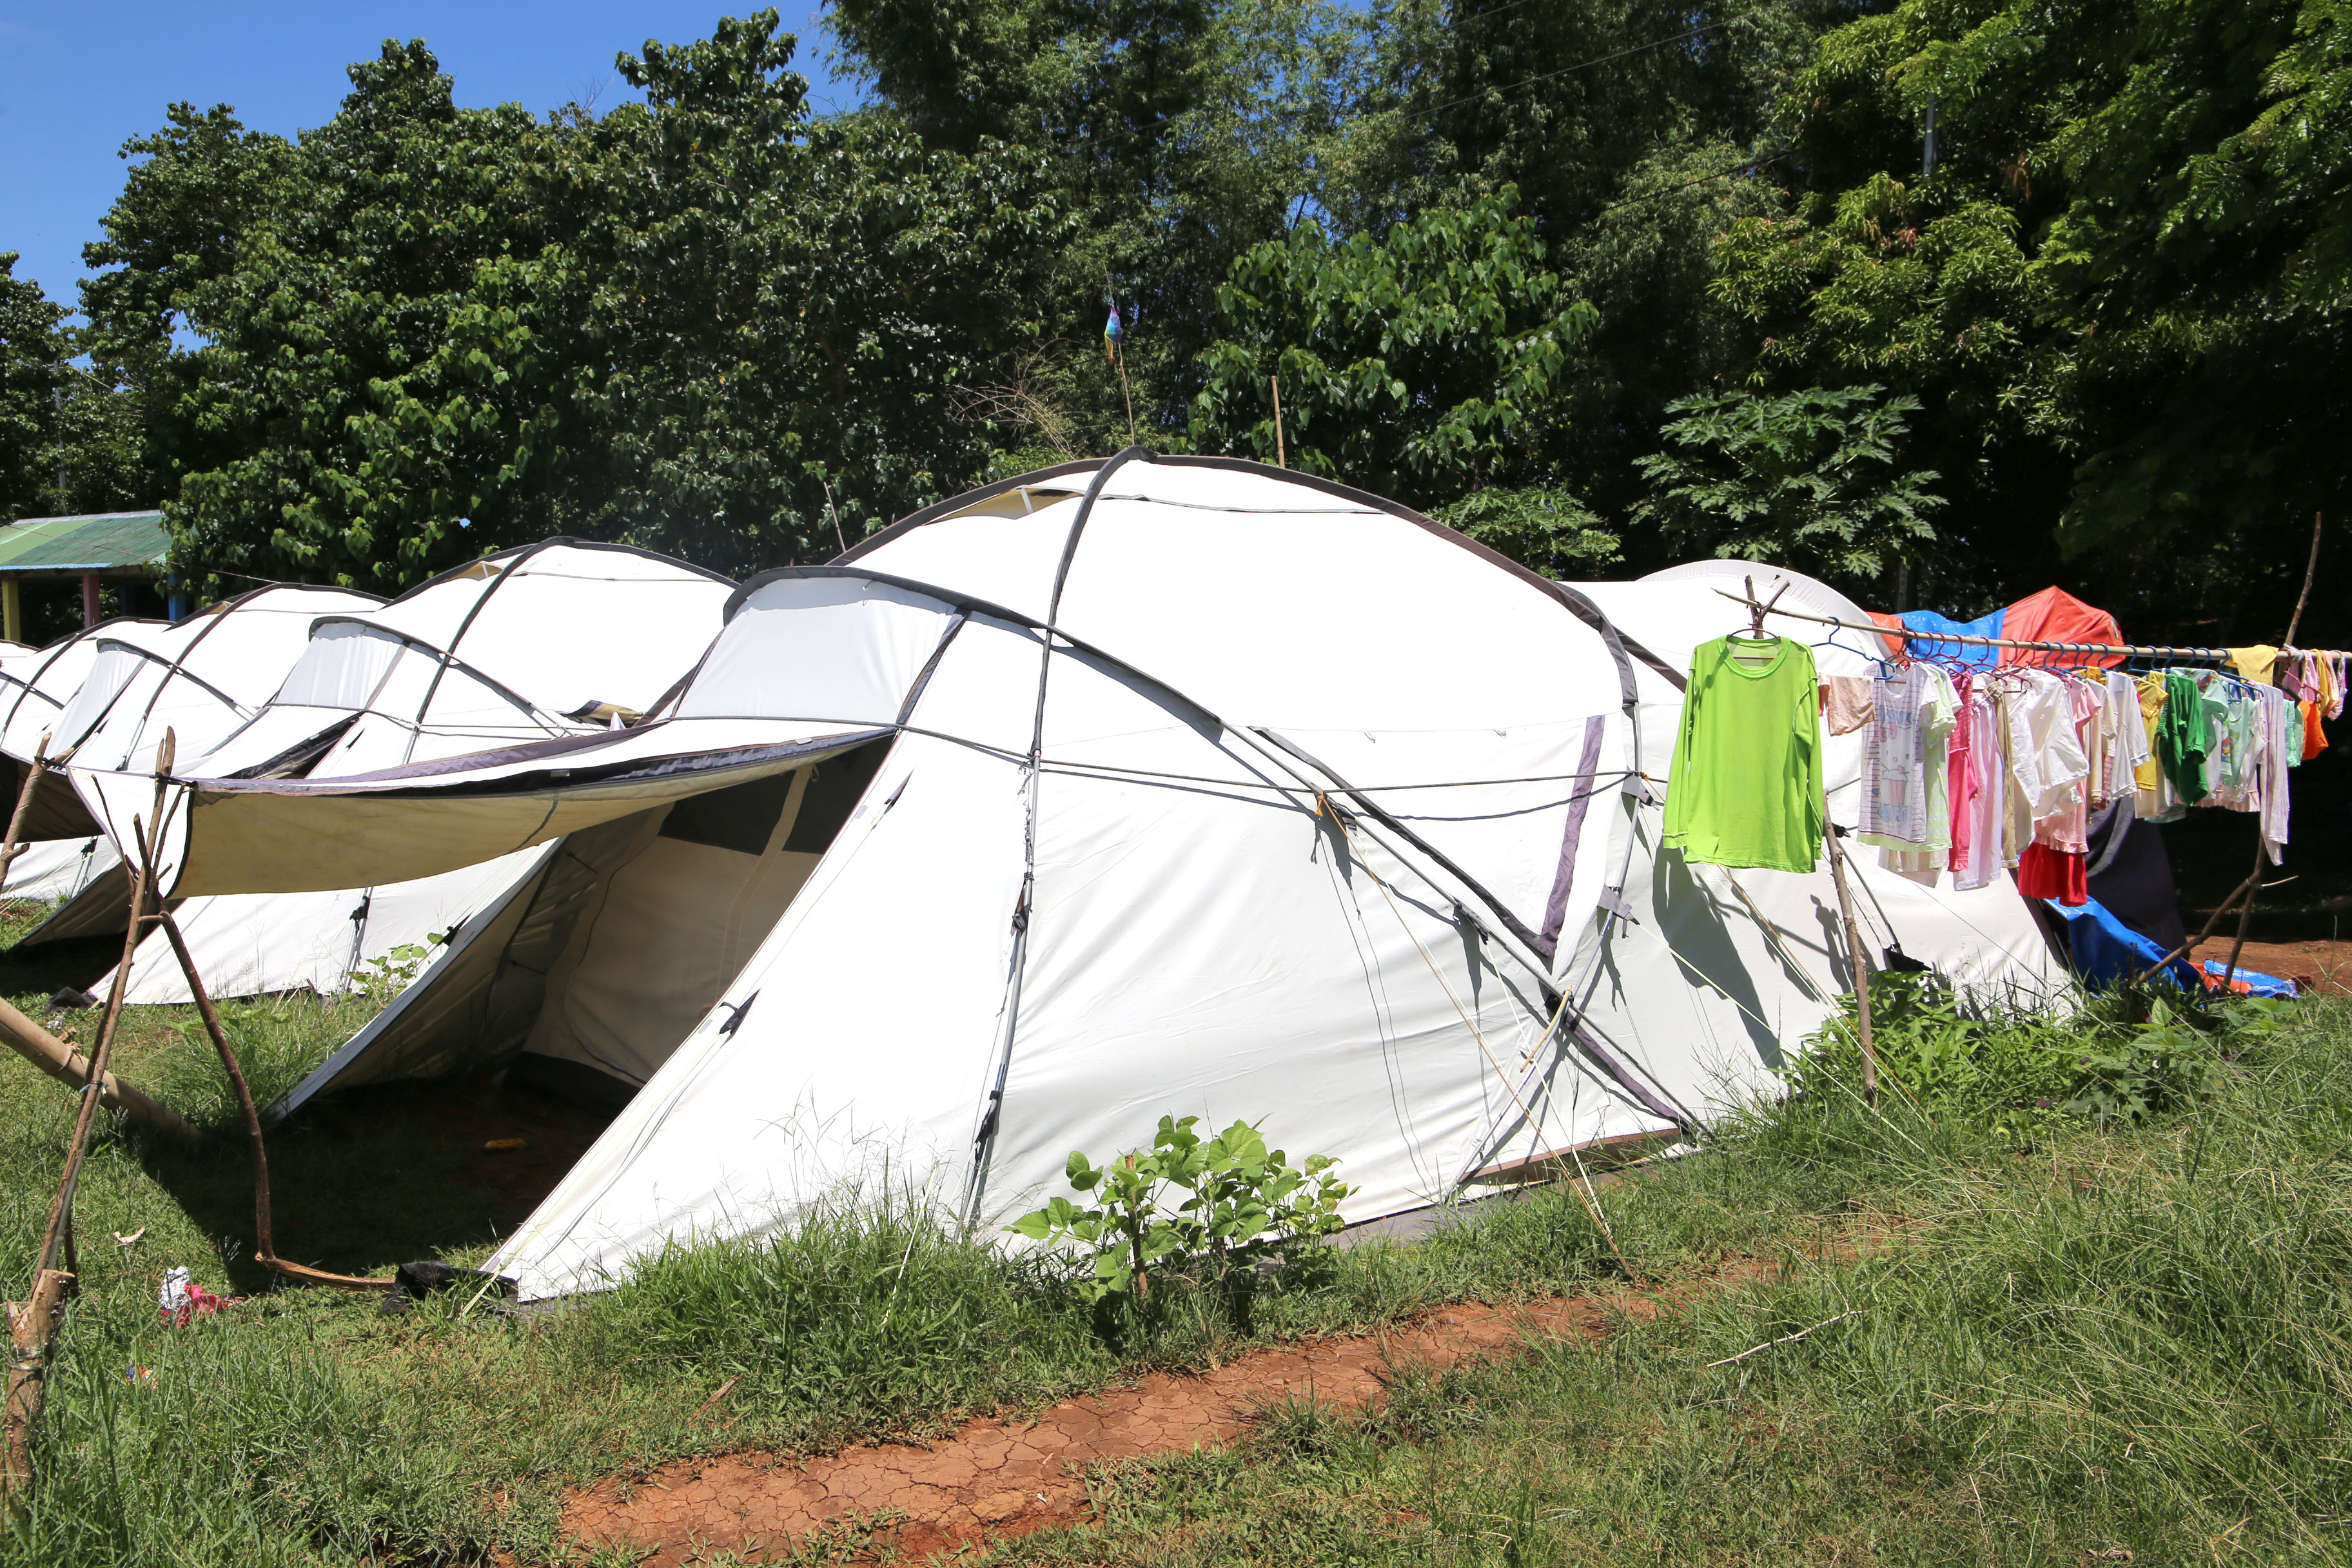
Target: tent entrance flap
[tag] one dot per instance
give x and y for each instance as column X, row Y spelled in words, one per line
column 624, row 937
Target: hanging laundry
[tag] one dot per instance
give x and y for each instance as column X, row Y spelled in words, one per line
column 1905, row 804
column 1747, row 783
column 2271, row 801
column 2185, row 735
column 1979, row 791
column 2156, row 802
column 2254, row 663
column 2314, row 739
column 1846, row 702
column 2043, row 872
column 2130, row 761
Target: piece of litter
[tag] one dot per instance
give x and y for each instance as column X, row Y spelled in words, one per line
column 127, row 1240
column 182, row 1299
column 501, row 1146
column 134, row 1373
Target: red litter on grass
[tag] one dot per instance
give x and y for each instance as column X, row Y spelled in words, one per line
column 182, row 1300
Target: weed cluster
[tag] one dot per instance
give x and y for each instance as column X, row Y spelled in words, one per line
column 2122, row 1057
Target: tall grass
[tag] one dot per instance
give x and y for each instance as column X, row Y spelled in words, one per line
column 2087, row 1347
column 2069, row 1336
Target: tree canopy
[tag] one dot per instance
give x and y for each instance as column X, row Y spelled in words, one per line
column 1608, row 283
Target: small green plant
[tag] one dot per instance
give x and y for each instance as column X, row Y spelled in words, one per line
column 382, row 979
column 1246, row 1205
column 2166, row 1064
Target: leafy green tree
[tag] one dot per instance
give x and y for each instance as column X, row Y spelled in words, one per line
column 32, row 350
column 1542, row 526
column 1811, row 477
column 700, row 323
column 1424, row 365
column 2118, row 297
column 1177, row 135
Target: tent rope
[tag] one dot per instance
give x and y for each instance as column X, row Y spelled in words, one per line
column 1587, row 1196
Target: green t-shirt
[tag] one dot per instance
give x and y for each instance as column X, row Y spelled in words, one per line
column 1747, row 785
column 2184, row 735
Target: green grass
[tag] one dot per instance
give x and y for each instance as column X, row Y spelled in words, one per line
column 2067, row 1340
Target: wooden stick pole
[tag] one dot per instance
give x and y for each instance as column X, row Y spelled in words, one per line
column 266, row 1243
column 32, row 1325
column 2310, row 571
column 1859, row 961
column 2262, row 848
column 2190, row 945
column 29, row 1351
column 16, row 846
column 1280, row 461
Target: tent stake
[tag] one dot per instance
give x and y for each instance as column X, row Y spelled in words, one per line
column 35, row 1327
column 1861, row 967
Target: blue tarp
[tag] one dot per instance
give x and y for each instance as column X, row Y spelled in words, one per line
column 2257, row 985
column 1967, row 655
column 2107, row 952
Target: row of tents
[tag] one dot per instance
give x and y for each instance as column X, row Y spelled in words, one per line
column 1137, row 786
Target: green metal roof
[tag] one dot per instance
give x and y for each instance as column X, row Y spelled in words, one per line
column 102, row 542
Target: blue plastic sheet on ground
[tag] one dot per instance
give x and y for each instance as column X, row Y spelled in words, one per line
column 2257, row 985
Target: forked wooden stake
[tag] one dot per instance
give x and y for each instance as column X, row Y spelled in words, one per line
column 35, row 1326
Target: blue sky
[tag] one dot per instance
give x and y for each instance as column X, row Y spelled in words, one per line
column 76, row 80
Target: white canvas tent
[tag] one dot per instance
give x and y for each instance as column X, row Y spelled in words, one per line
column 543, row 641
column 1306, row 809
column 107, row 696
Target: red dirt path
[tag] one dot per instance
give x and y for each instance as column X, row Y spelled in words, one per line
column 995, row 1478
column 2328, row 965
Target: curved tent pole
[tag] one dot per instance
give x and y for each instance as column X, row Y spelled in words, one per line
column 984, row 1136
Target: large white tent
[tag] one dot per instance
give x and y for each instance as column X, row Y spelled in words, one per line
column 560, row 639
column 107, row 696
column 1305, row 809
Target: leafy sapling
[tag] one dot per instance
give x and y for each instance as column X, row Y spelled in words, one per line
column 1241, row 1204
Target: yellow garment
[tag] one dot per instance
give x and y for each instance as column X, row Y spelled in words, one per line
column 2147, row 776
column 2254, row 663
column 2326, row 667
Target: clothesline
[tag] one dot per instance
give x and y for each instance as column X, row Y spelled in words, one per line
column 2128, row 650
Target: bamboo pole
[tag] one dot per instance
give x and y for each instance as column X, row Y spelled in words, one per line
column 69, row 1067
column 29, row 1353
column 1279, row 457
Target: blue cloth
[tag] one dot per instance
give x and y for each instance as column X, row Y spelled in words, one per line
column 2108, row 953
column 1968, row 656
column 2257, row 985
